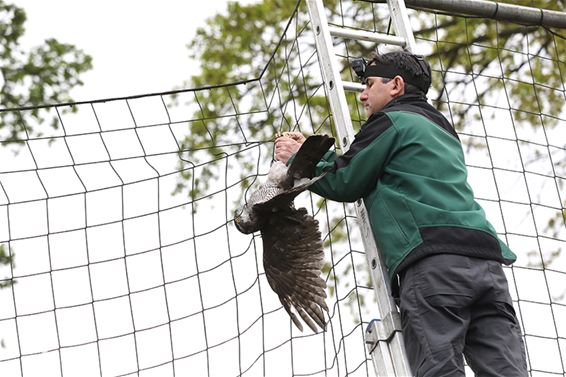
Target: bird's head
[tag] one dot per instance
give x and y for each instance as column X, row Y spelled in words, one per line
column 246, row 220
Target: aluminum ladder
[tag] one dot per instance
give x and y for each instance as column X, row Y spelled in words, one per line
column 383, row 336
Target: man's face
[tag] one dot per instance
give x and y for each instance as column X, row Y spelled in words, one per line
column 377, row 94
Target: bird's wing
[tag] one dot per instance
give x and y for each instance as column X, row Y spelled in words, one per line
column 293, row 259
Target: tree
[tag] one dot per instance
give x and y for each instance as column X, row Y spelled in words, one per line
column 41, row 76
column 238, row 45
column 44, row 75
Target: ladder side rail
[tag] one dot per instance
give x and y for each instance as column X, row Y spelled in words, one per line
column 401, row 23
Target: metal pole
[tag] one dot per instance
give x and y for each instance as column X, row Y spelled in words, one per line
column 491, row 9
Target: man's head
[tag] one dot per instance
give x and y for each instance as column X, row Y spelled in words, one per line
column 391, row 75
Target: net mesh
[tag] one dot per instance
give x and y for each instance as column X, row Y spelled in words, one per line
column 116, row 216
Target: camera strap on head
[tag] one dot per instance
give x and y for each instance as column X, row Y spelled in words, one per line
column 363, row 71
column 390, row 71
column 421, row 62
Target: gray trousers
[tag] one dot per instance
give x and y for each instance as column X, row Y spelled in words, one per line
column 453, row 305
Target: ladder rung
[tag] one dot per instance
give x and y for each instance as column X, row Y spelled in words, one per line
column 352, row 86
column 366, row 36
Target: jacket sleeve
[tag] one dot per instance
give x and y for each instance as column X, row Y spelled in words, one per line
column 354, row 174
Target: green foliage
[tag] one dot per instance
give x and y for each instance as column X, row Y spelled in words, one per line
column 237, row 44
column 336, row 231
column 475, row 47
column 41, row 76
column 233, row 47
column 6, row 258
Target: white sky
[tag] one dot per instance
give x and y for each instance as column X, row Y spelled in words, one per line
column 138, row 46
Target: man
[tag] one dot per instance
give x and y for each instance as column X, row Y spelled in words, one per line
column 407, row 164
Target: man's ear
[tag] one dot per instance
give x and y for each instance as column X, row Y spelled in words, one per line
column 398, row 88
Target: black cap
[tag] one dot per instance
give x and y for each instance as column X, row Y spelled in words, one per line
column 363, row 70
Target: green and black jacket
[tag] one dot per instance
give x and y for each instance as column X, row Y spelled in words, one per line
column 408, row 165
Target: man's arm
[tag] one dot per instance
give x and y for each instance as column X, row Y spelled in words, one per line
column 355, row 173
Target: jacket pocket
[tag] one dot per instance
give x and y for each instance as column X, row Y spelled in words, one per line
column 390, row 225
column 395, row 229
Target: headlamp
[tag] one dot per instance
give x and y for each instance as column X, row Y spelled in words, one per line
column 359, row 66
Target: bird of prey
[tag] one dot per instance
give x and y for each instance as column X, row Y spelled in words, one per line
column 292, row 245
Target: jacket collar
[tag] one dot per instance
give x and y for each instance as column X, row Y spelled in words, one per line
column 405, row 98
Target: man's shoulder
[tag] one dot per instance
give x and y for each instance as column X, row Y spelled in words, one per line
column 376, row 124
column 410, row 113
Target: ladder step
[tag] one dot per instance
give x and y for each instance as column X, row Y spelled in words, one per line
column 353, row 86
column 366, row 36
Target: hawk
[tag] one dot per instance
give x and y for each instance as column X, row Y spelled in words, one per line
column 292, row 245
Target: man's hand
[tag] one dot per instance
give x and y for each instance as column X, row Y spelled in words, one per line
column 287, row 145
